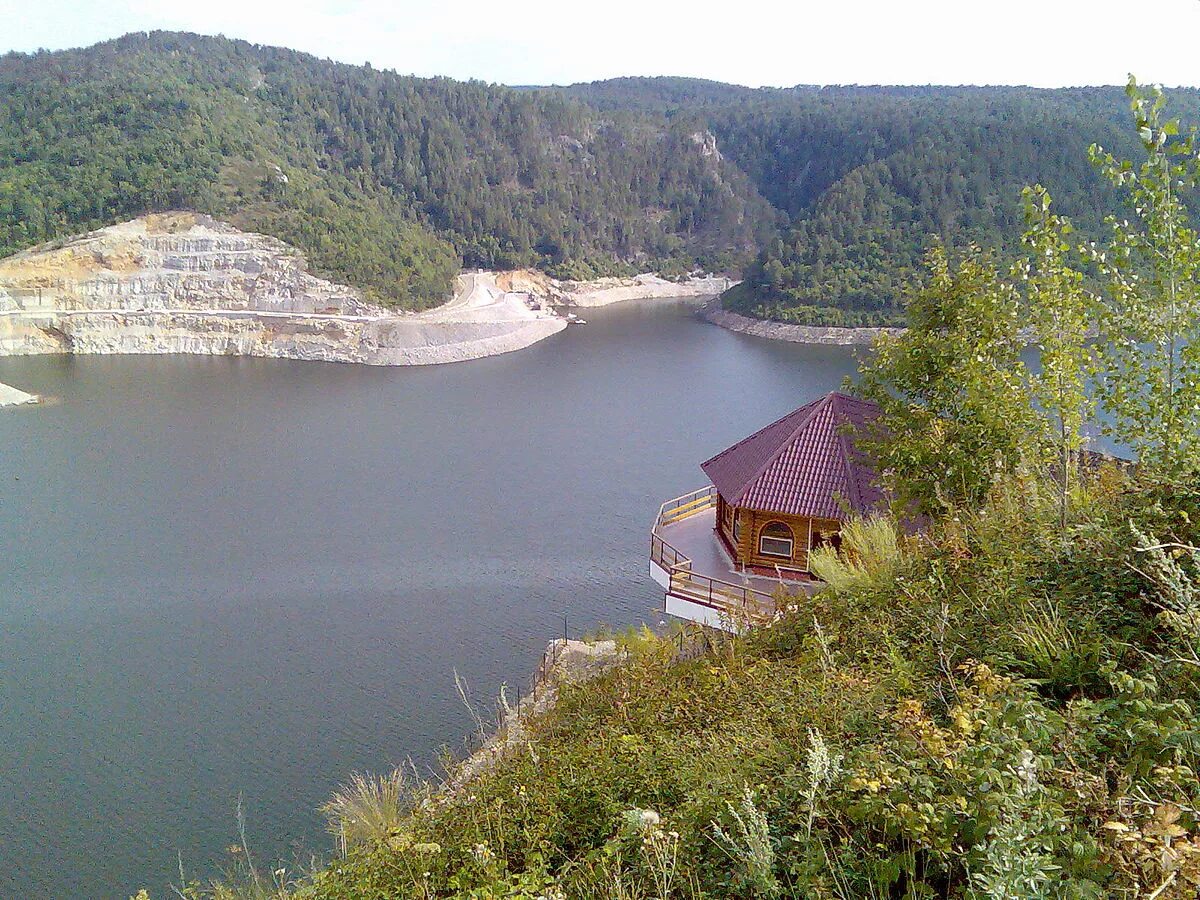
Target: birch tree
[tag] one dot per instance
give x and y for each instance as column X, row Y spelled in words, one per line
column 1150, row 331
column 1061, row 314
column 952, row 388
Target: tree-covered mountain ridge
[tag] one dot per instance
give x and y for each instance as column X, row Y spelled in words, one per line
column 387, row 182
column 826, row 198
column 868, row 178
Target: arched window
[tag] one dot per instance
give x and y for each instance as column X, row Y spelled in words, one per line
column 775, row 540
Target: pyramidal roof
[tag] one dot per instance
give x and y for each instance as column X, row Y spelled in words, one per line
column 803, row 464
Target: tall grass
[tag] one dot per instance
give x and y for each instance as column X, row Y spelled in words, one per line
column 368, row 809
column 869, row 547
column 1062, row 654
column 748, row 844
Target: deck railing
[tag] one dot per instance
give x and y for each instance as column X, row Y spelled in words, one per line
column 737, row 601
column 687, row 505
column 666, row 556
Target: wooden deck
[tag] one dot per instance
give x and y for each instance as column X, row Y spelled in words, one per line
column 699, row 579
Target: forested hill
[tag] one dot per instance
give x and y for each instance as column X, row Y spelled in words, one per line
column 866, row 176
column 828, row 196
column 387, row 182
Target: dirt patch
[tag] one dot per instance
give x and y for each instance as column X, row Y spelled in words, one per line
column 525, row 281
column 33, row 269
column 169, row 223
column 47, row 269
column 124, row 259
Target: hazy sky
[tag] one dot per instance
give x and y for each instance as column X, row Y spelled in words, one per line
column 1039, row 42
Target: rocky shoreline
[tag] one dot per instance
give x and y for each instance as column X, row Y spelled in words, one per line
column 11, row 396
column 783, row 331
column 563, row 661
column 187, row 283
column 605, row 291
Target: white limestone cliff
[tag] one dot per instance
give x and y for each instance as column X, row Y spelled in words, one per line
column 186, row 283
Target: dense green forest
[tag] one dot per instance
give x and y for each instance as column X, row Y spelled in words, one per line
column 868, row 176
column 825, row 197
column 387, row 182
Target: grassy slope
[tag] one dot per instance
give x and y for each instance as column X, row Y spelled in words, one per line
column 995, row 714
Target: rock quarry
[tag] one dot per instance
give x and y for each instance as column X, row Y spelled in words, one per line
column 187, row 283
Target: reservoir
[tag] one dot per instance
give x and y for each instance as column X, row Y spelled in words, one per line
column 230, row 578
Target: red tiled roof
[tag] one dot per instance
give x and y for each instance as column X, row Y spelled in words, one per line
column 801, row 464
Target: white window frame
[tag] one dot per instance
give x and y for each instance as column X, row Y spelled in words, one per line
column 790, row 542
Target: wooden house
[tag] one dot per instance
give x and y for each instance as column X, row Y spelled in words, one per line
column 788, row 487
column 723, row 553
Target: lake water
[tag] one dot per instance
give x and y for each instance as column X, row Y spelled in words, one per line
column 230, row 578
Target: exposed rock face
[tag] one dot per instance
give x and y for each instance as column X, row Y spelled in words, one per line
column 604, row 291
column 184, row 283
column 10, row 396
column 394, row 341
column 796, row 334
column 707, row 142
column 171, row 262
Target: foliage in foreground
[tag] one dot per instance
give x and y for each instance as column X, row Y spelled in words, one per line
column 1115, row 326
column 869, row 547
column 1005, row 710
column 952, row 390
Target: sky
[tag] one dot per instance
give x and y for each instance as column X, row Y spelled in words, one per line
column 1046, row 43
